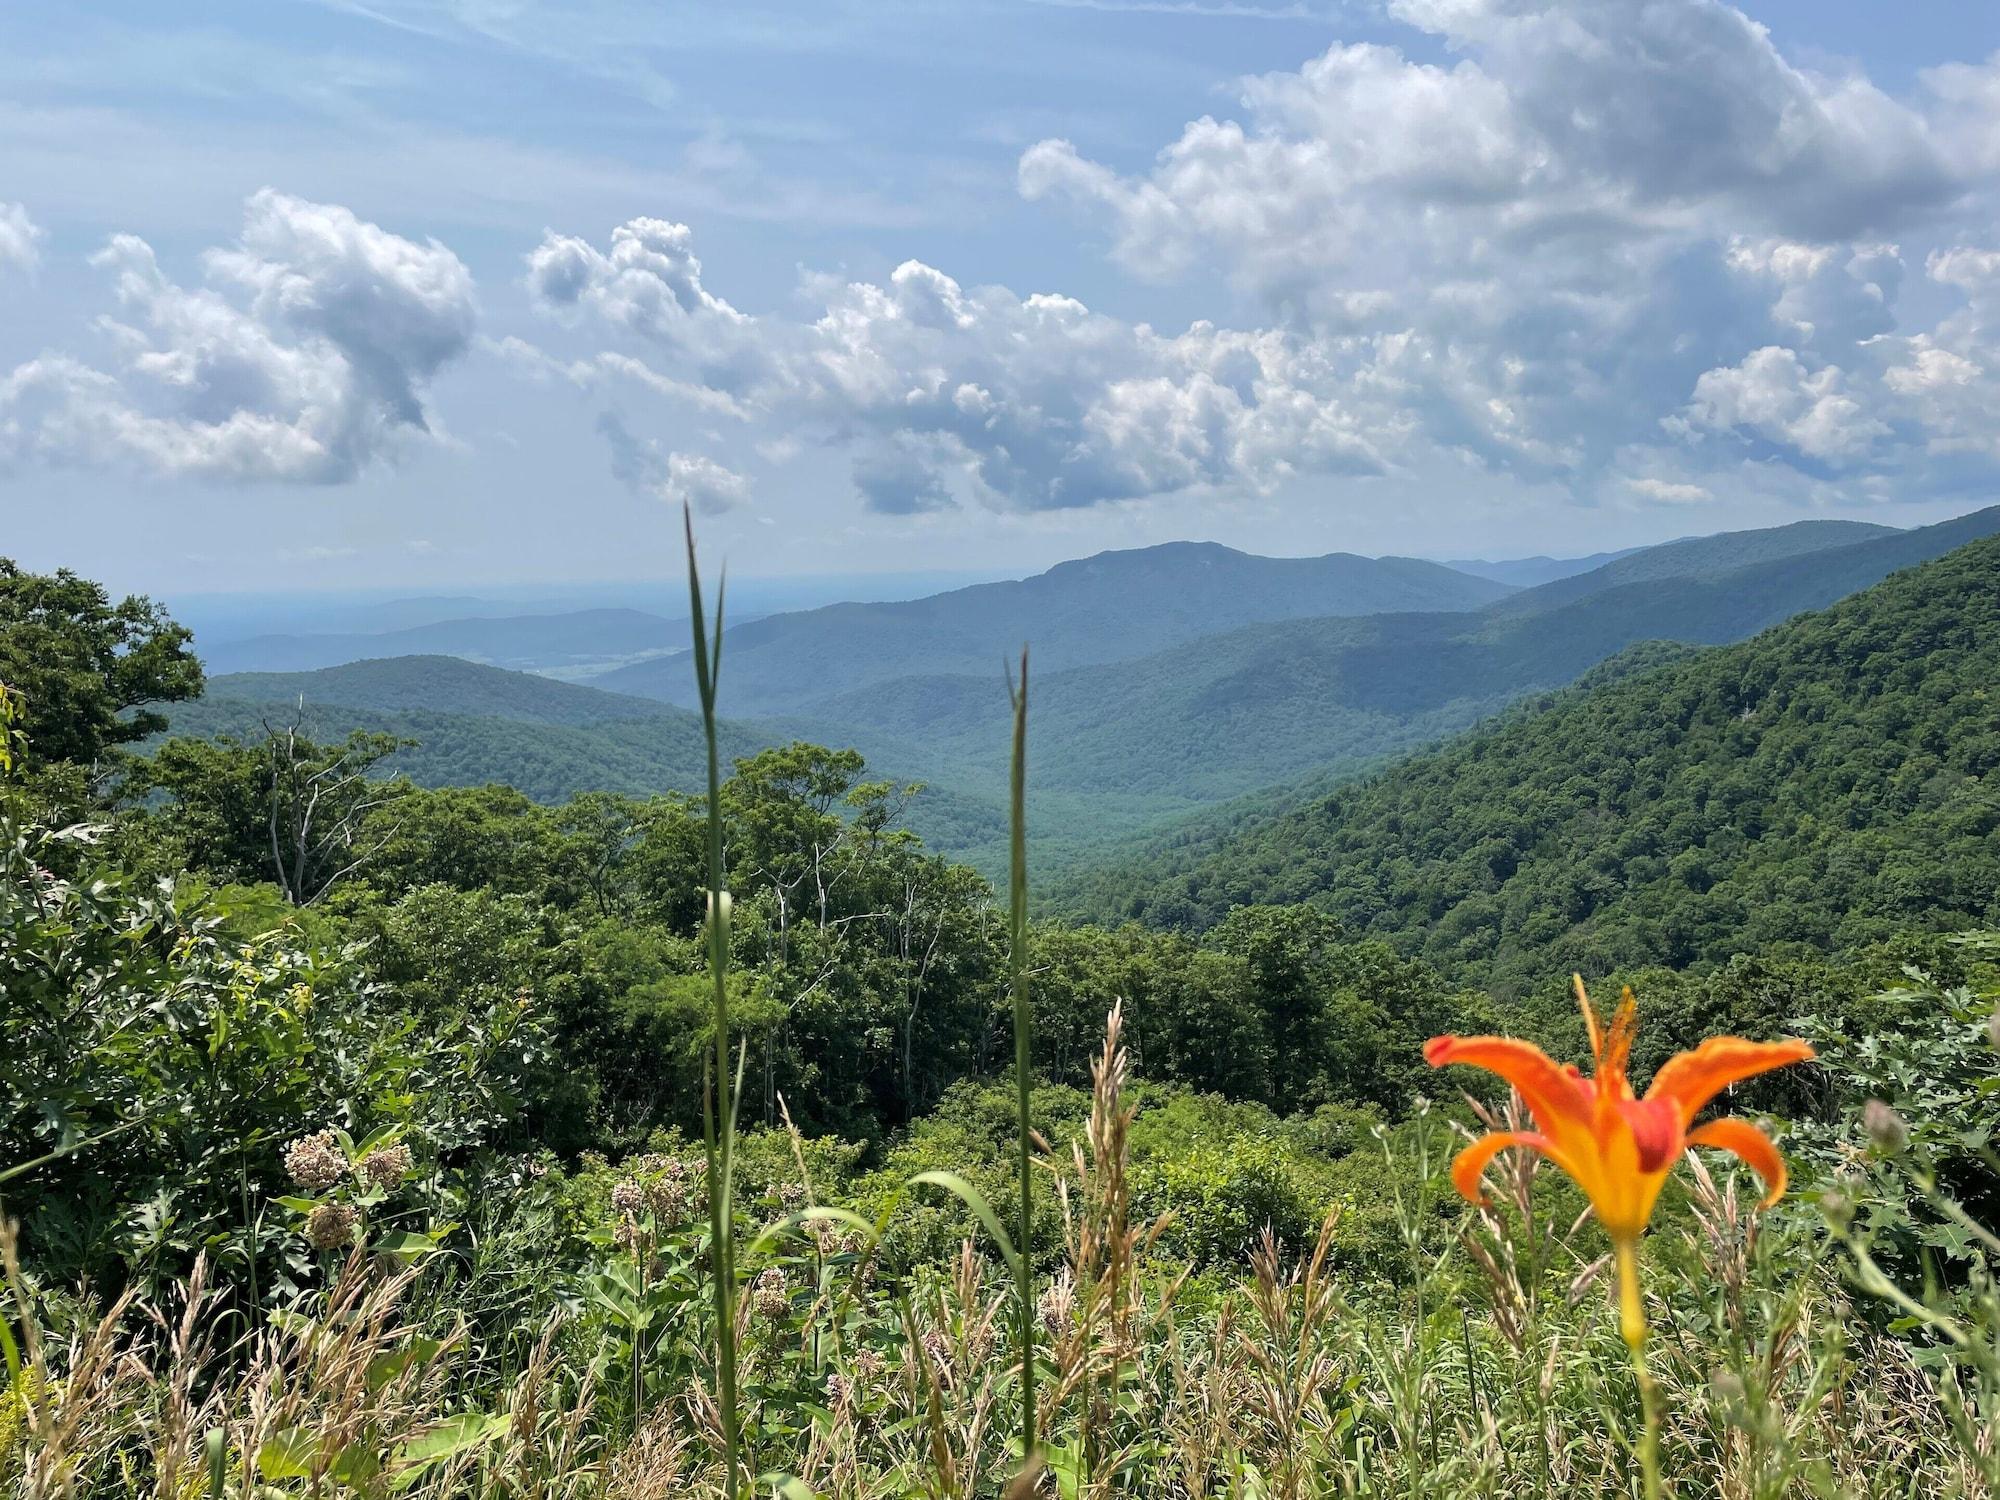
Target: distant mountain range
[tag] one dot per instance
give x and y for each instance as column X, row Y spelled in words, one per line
column 1111, row 607
column 1526, row 572
column 437, row 684
column 1123, row 746
column 588, row 637
column 1138, row 742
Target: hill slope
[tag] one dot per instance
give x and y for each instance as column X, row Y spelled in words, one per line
column 1526, row 572
column 476, row 724
column 577, row 638
column 1695, row 557
column 1226, row 715
column 436, row 684
column 1107, row 608
column 1834, row 780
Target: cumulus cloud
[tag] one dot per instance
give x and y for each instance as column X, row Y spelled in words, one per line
column 1669, row 491
column 647, row 468
column 20, row 238
column 1565, row 121
column 1772, row 393
column 1587, row 211
column 1613, row 246
column 1030, row 402
column 305, row 354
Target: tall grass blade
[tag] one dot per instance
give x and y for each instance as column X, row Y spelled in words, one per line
column 718, row 1114
column 1017, row 974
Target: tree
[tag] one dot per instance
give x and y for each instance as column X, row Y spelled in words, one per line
column 303, row 815
column 324, row 805
column 80, row 664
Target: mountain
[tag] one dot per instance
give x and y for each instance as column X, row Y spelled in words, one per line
column 1729, row 549
column 475, row 724
column 437, row 684
column 1121, row 752
column 588, row 637
column 1526, row 572
column 1832, row 781
column 1111, row 607
column 1139, row 742
column 1696, row 557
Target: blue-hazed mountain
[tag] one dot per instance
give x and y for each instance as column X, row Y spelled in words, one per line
column 1695, row 557
column 1127, row 748
column 1107, row 608
column 542, row 642
column 1526, row 572
column 1230, row 713
column 1724, row 550
column 437, row 684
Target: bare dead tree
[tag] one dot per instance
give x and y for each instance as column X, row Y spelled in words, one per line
column 321, row 801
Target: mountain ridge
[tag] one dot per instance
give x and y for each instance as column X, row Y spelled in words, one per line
column 1668, row 816
column 1103, row 608
column 437, row 683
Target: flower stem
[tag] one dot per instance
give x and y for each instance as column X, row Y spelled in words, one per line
column 1632, row 1326
column 1017, row 974
column 719, row 1099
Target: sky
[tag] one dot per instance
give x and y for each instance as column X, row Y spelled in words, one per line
column 441, row 293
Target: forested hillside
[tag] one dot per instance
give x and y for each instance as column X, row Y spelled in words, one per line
column 551, row 761
column 1830, row 782
column 1304, row 699
column 435, row 684
column 1299, row 703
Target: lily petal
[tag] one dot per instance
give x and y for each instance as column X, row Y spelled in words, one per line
column 1591, row 1025
column 1691, row 1079
column 1471, row 1163
column 1552, row 1093
column 1656, row 1131
column 1753, row 1146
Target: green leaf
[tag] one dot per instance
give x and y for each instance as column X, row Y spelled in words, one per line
column 446, row 1441
column 407, row 1245
column 973, row 1199
column 293, row 1453
column 787, row 1486
column 384, row 1368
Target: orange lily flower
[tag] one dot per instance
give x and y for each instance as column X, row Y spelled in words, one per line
column 1616, row 1146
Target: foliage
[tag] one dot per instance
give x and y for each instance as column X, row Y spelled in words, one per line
column 79, row 663
column 397, row 1193
column 303, row 815
column 1822, row 786
column 152, row 1067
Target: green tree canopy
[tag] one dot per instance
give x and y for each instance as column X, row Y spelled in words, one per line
column 80, row 664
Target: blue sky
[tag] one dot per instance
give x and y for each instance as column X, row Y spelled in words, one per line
column 448, row 292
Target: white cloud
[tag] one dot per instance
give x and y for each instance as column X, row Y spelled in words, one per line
column 20, row 238
column 1552, row 236
column 1772, row 393
column 1671, row 492
column 304, row 357
column 1024, row 402
column 647, row 468
column 1614, row 247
